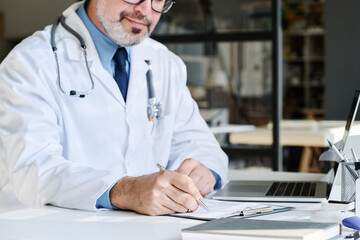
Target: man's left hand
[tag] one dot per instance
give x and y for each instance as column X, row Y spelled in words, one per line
column 203, row 178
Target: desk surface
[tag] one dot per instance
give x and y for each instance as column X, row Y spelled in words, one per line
column 48, row 222
column 296, row 133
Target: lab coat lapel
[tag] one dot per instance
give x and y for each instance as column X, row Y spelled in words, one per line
column 137, row 82
column 96, row 68
column 100, row 75
column 107, row 81
column 74, row 21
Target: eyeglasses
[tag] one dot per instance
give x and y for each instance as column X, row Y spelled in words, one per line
column 160, row 6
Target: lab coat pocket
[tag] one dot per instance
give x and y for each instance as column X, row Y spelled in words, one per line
column 158, row 138
column 161, row 126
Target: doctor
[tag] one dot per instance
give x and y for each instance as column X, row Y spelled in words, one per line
column 74, row 129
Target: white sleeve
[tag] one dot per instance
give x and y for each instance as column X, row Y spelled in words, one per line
column 192, row 137
column 30, row 141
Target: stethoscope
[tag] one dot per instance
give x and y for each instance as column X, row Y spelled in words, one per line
column 154, row 106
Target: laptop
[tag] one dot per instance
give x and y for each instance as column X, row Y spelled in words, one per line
column 289, row 191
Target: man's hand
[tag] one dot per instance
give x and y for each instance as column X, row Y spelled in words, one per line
column 160, row 193
column 203, row 178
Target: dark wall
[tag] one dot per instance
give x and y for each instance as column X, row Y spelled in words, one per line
column 342, row 56
column 22, row 18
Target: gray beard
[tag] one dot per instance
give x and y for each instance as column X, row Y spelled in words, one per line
column 122, row 38
column 116, row 32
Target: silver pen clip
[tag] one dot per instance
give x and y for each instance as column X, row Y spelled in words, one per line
column 252, row 211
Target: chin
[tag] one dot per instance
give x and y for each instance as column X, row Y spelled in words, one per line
column 128, row 36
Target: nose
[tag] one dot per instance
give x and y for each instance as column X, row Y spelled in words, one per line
column 144, row 7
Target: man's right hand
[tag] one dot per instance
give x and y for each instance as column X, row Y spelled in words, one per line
column 160, row 193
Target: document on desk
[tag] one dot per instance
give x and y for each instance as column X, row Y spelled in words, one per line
column 221, row 209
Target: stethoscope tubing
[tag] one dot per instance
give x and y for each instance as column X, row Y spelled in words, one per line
column 155, row 107
column 76, row 93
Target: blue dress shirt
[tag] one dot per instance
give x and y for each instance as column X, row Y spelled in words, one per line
column 106, row 49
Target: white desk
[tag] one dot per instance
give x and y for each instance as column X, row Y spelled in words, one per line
column 305, row 133
column 48, row 222
column 20, row 222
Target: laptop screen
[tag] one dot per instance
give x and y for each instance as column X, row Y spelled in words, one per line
column 350, row 119
column 329, row 155
column 335, row 187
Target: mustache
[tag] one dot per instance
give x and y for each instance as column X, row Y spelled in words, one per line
column 137, row 16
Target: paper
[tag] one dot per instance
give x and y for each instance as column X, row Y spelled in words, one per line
column 220, row 209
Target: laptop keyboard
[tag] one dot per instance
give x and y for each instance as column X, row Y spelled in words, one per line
column 293, row 189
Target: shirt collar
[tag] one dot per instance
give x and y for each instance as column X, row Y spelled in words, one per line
column 105, row 47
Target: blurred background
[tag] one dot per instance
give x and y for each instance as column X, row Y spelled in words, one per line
column 228, row 49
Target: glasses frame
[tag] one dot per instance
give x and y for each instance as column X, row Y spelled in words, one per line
column 163, row 11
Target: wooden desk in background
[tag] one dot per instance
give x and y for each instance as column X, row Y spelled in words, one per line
column 309, row 134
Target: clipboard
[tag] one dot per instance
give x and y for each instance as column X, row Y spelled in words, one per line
column 231, row 209
column 276, row 210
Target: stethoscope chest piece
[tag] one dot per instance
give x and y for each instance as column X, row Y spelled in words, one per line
column 155, row 107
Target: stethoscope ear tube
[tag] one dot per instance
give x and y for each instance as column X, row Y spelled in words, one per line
column 72, row 31
column 154, row 108
column 72, row 92
column 52, row 37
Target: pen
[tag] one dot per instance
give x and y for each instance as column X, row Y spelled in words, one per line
column 343, row 159
column 201, row 203
column 354, row 155
column 337, row 152
column 355, row 160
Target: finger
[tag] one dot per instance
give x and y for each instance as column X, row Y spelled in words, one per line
column 196, row 173
column 203, row 179
column 186, row 184
column 187, row 166
column 162, row 204
column 161, row 210
column 200, row 182
column 167, row 210
column 181, row 201
column 153, row 209
column 178, row 200
column 179, row 205
column 206, row 188
column 204, row 182
column 180, row 189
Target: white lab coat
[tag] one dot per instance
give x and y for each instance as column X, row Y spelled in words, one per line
column 67, row 151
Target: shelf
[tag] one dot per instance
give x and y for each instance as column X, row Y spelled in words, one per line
column 316, row 84
column 316, row 58
column 303, row 60
column 295, row 85
column 316, row 32
column 294, row 59
column 215, row 37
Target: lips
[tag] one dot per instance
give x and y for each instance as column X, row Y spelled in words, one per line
column 136, row 23
column 135, row 19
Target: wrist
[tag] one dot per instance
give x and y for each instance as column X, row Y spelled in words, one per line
column 120, row 193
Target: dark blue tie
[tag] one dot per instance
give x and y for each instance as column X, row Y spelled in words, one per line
column 121, row 76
